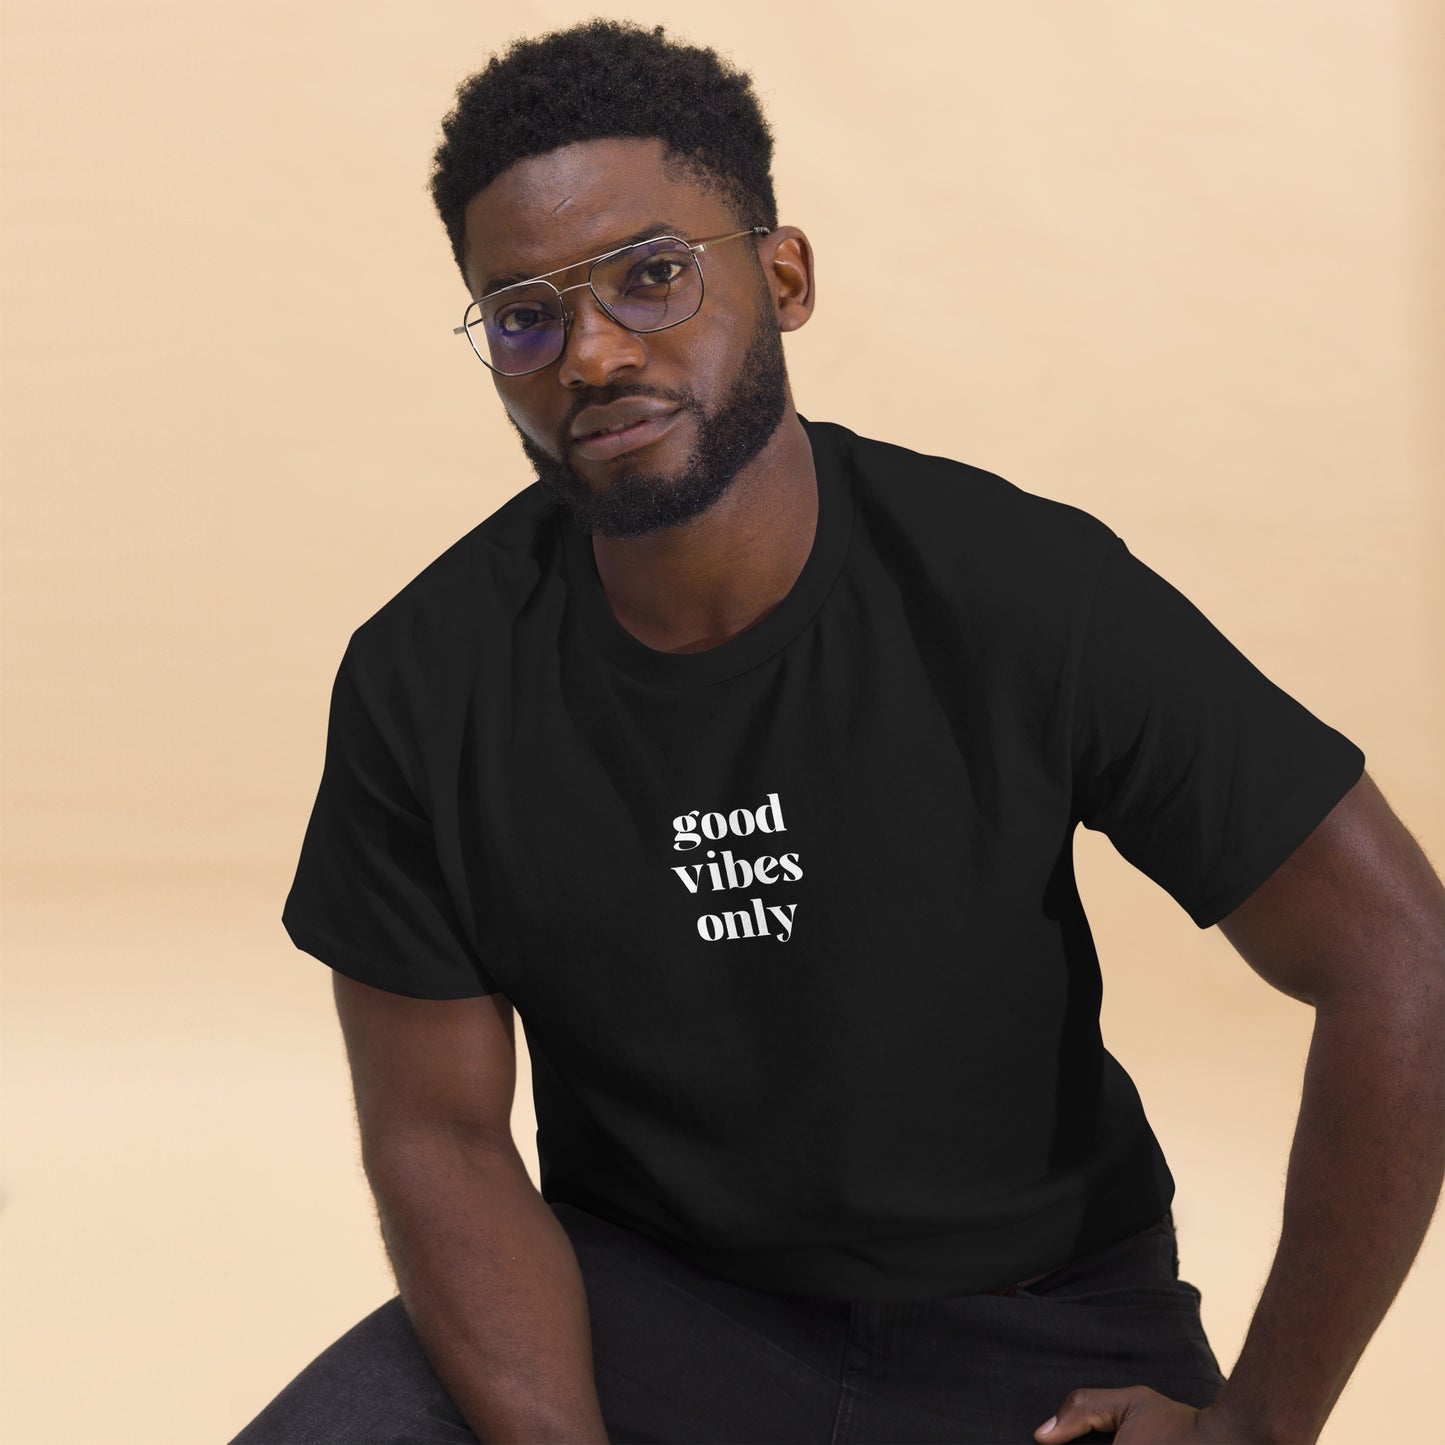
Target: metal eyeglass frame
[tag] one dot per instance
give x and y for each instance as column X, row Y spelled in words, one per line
column 592, row 263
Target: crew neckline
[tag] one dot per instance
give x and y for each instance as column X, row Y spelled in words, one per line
column 832, row 466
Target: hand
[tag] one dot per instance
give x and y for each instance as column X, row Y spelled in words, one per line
column 1139, row 1416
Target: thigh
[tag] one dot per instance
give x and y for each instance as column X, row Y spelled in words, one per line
column 994, row 1367
column 373, row 1386
column 681, row 1356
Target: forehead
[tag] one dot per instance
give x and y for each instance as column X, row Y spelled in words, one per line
column 575, row 202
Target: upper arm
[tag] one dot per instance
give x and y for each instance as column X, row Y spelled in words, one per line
column 1355, row 911
column 422, row 1066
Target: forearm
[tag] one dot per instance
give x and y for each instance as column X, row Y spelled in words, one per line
column 1365, row 1171
column 491, row 1284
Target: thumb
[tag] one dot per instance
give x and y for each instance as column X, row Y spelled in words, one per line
column 1085, row 1410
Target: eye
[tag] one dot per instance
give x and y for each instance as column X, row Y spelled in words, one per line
column 659, row 271
column 525, row 316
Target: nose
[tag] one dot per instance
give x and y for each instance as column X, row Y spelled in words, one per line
column 597, row 347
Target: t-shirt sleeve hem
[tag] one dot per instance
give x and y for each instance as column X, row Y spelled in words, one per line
column 348, row 960
column 1297, row 820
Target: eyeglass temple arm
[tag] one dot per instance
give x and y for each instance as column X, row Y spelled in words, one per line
column 718, row 240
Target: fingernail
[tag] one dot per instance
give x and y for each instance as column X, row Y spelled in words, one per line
column 1047, row 1425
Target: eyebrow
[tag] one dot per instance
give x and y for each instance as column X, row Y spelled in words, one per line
column 657, row 228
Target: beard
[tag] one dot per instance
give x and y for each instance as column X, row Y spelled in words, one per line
column 635, row 501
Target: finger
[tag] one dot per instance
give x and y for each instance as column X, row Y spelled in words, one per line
column 1085, row 1410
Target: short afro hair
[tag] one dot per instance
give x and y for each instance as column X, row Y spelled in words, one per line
column 594, row 81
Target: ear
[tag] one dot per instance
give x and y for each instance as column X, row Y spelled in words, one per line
column 787, row 259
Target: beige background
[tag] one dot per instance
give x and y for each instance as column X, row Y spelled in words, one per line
column 1190, row 281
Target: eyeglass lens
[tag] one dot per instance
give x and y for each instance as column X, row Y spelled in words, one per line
column 647, row 287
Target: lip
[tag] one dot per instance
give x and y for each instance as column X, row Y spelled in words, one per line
column 629, row 439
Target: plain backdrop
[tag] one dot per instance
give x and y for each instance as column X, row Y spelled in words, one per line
column 1186, row 267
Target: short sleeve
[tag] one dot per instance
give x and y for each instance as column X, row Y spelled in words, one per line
column 369, row 898
column 1203, row 773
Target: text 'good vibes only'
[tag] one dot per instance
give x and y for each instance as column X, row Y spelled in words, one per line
column 720, row 871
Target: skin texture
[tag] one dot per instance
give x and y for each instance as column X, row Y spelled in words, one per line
column 700, row 535
column 639, row 499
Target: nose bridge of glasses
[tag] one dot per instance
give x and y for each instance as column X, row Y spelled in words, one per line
column 580, row 286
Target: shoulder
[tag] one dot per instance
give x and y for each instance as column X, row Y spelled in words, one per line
column 971, row 524
column 454, row 606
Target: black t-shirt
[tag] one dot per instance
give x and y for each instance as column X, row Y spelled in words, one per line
column 792, row 923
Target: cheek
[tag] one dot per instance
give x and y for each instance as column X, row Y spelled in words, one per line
column 705, row 361
column 734, row 330
column 731, row 316
column 523, row 417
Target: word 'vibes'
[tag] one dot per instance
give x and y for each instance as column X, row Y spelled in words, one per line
column 721, row 873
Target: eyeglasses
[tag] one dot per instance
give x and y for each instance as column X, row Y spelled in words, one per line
column 647, row 286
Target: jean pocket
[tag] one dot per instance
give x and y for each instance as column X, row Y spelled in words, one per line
column 1176, row 1294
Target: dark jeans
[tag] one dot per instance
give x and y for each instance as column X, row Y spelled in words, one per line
column 683, row 1356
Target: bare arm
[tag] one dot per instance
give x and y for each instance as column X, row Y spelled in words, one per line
column 491, row 1285
column 1354, row 924
column 487, row 1275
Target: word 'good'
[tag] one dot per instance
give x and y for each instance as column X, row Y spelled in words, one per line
column 691, row 828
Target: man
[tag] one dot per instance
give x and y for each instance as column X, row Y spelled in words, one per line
column 742, row 754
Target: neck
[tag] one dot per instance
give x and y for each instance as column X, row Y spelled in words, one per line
column 695, row 586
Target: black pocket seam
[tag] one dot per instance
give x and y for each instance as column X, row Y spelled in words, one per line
column 1174, row 1294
